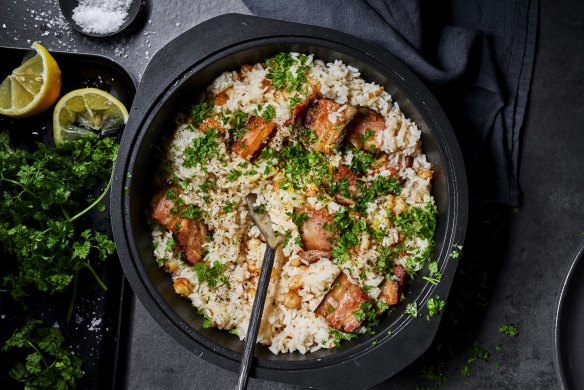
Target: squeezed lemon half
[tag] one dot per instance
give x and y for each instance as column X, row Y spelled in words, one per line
column 32, row 87
column 84, row 110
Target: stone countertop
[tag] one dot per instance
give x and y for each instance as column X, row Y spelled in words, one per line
column 515, row 260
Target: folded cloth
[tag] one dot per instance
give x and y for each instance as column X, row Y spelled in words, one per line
column 476, row 56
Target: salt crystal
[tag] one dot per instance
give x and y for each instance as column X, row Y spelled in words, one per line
column 177, row 25
column 101, row 16
column 94, row 324
column 3, row 25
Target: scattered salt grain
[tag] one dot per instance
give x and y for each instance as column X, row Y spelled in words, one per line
column 95, row 324
column 3, row 25
column 101, row 16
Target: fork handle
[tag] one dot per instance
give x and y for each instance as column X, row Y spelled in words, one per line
column 256, row 317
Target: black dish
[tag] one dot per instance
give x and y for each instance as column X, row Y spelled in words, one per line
column 67, row 7
column 99, row 347
column 569, row 326
column 187, row 65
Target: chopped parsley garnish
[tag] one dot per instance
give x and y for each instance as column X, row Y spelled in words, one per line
column 350, row 230
column 384, row 258
column 269, row 113
column 211, row 275
column 229, row 206
column 433, row 374
column 380, row 186
column 238, row 122
column 339, row 336
column 233, row 175
column 202, row 111
column 294, row 101
column 509, row 330
column 367, row 135
column 367, row 313
column 48, row 363
column 434, row 306
column 456, row 251
column 208, row 184
column 170, row 244
column 309, row 137
column 341, row 187
column 302, row 166
column 207, row 322
column 361, row 161
column 203, row 148
column 412, row 309
column 418, row 221
column 261, row 209
column 476, row 353
column 280, row 71
column 191, row 212
column 298, row 218
column 434, row 276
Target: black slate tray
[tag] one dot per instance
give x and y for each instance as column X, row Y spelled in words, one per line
column 99, row 320
column 569, row 326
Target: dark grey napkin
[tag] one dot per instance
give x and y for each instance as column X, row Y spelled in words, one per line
column 477, row 57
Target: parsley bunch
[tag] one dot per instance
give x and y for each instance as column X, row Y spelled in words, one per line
column 43, row 197
column 48, row 364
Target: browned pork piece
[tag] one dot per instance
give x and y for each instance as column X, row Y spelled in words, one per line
column 315, row 236
column 303, row 105
column 190, row 233
column 344, row 172
column 323, row 117
column 314, row 255
column 364, row 128
column 161, row 209
column 340, row 304
column 191, row 237
column 391, row 289
column 255, row 134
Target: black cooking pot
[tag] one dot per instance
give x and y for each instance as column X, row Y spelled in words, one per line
column 174, row 77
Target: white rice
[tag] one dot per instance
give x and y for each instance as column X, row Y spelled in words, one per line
column 238, row 244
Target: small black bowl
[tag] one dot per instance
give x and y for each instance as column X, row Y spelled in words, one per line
column 173, row 78
column 67, row 7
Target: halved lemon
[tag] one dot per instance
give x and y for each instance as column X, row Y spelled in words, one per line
column 84, row 110
column 32, row 87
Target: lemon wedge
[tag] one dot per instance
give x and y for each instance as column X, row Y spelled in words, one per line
column 32, row 87
column 84, row 110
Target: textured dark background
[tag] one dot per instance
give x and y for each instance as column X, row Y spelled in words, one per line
column 515, row 260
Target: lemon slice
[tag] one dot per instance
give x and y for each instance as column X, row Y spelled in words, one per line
column 32, row 87
column 84, row 110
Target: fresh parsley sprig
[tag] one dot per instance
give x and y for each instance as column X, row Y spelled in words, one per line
column 48, row 363
column 43, row 198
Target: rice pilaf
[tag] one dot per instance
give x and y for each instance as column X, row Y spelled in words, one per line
column 341, row 173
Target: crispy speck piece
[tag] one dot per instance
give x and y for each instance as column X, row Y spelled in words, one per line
column 256, row 133
column 364, row 128
column 190, row 233
column 329, row 133
column 340, row 304
column 313, row 232
column 391, row 289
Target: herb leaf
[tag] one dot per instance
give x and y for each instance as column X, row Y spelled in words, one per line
column 48, row 363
